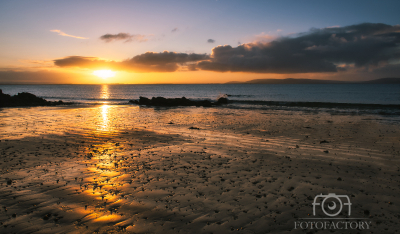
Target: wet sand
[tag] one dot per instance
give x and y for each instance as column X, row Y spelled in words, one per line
column 129, row 169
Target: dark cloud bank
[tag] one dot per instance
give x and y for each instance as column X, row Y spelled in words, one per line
column 319, row 50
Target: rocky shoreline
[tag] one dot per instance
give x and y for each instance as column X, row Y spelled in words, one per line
column 26, row 99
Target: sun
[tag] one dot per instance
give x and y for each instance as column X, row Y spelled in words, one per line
column 104, row 73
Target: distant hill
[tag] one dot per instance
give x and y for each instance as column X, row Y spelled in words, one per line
column 383, row 81
column 315, row 81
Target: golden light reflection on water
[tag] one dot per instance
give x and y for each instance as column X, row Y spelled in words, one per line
column 103, row 182
column 104, row 92
column 105, row 119
column 107, row 176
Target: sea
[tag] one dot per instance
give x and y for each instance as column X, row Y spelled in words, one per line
column 381, row 99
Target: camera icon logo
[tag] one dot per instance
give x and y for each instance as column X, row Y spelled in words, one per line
column 331, row 208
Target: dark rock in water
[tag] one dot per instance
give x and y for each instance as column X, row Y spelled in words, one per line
column 26, row 99
column 144, row 100
column 204, row 103
column 161, row 101
column 222, row 100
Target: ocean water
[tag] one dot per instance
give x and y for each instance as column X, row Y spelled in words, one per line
column 375, row 98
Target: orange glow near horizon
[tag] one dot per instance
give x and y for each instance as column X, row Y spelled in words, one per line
column 83, row 76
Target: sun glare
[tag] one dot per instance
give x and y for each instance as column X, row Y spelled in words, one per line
column 104, row 73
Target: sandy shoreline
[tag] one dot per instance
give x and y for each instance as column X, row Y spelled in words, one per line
column 112, row 169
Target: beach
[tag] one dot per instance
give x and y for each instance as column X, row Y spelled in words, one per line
column 135, row 169
column 199, row 117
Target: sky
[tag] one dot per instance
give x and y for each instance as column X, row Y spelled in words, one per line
column 147, row 42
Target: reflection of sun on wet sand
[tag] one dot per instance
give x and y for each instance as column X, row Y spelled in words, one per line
column 142, row 170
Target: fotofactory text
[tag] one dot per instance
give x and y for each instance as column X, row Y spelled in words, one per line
column 331, row 207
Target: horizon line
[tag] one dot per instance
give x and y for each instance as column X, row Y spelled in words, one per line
column 229, row 82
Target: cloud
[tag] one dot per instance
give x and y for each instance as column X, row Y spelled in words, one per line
column 123, row 37
column 210, row 41
column 319, row 50
column 61, row 33
column 84, row 62
column 174, row 30
column 147, row 62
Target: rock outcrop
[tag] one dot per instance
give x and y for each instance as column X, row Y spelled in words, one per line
column 26, row 99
